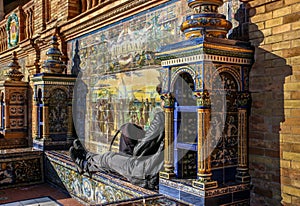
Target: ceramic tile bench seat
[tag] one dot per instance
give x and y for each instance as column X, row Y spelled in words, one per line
column 19, row 167
column 99, row 188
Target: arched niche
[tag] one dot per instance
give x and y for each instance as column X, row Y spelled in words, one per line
column 185, row 123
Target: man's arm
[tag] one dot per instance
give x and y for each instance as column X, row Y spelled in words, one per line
column 152, row 137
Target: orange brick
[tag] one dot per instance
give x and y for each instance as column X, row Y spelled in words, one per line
column 295, row 95
column 285, row 163
column 273, row 38
column 296, row 200
column 261, row 17
column 294, row 17
column 295, row 165
column 282, row 12
column 295, row 60
column 291, row 104
column 291, row 35
column 281, row 45
column 296, row 25
column 274, row 5
column 296, row 7
column 289, row 2
column 260, row 9
column 290, row 190
column 274, row 22
column 291, row 156
column 267, row 32
column 296, row 43
column 286, row 198
column 292, row 52
column 281, row 29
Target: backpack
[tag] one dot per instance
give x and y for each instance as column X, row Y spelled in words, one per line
column 130, row 136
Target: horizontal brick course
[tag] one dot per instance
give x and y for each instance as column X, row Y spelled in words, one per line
column 282, row 12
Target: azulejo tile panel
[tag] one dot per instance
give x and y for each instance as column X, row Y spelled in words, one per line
column 114, row 52
column 100, row 188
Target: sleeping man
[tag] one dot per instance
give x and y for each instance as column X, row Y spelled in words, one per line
column 139, row 163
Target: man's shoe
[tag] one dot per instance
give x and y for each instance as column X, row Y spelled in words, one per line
column 78, row 146
column 78, row 158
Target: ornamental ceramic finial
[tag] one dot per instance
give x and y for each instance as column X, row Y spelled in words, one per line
column 206, row 21
column 13, row 73
column 53, row 64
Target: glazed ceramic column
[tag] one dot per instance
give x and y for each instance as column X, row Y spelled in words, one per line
column 169, row 137
column 70, row 123
column 45, row 120
column 6, row 113
column 1, row 112
column 203, row 155
column 244, row 100
column 35, row 119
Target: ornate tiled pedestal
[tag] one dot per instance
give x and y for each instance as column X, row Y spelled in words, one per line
column 53, row 92
column 13, row 108
column 206, row 105
column 53, row 102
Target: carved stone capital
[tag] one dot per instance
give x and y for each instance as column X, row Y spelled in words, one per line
column 244, row 100
column 169, row 100
column 203, row 99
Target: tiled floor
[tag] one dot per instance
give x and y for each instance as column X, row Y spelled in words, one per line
column 41, row 201
column 20, row 194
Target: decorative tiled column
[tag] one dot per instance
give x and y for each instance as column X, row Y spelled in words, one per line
column 244, row 103
column 214, row 65
column 70, row 122
column 169, row 137
column 204, row 173
column 54, row 90
column 14, row 111
column 45, row 120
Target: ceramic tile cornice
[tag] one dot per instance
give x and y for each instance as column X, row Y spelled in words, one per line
column 105, row 16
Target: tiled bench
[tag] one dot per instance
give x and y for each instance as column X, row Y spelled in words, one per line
column 100, row 188
column 19, row 167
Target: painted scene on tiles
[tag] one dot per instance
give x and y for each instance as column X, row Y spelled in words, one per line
column 118, row 73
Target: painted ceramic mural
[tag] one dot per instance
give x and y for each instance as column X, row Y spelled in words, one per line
column 118, row 71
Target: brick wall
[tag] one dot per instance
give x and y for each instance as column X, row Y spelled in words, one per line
column 39, row 16
column 274, row 134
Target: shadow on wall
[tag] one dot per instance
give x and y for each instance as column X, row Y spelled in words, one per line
column 267, row 79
